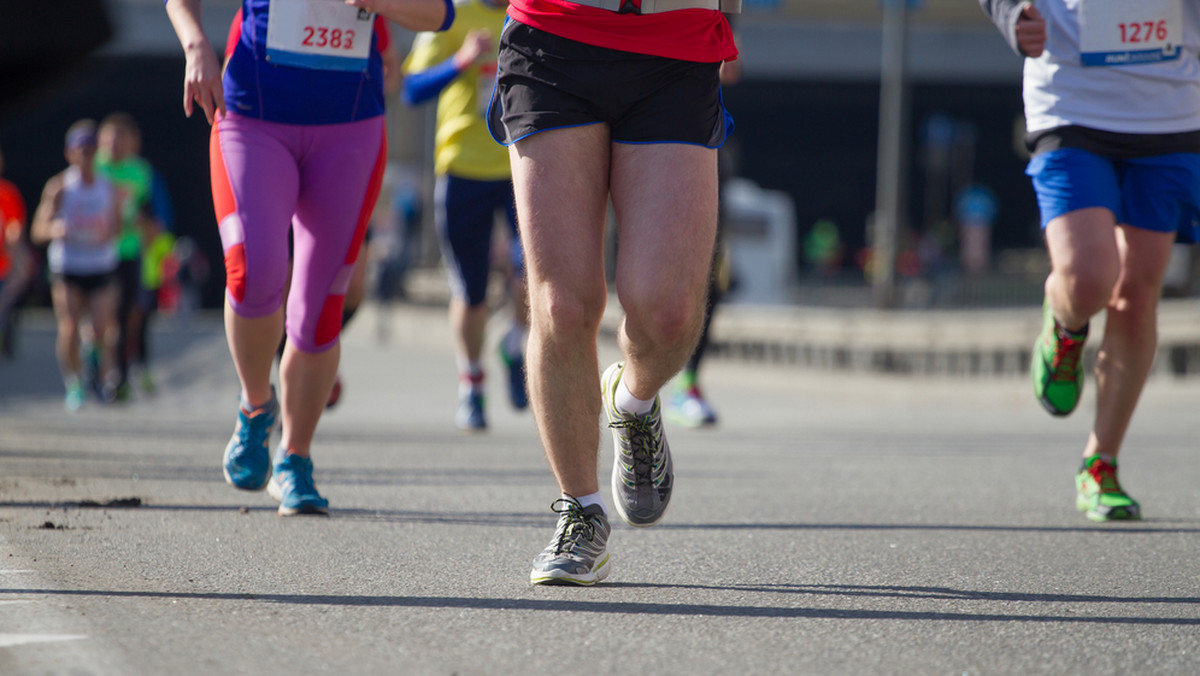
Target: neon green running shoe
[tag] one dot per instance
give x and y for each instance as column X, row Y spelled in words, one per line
column 1098, row 494
column 1056, row 369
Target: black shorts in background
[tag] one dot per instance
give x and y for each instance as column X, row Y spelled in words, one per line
column 549, row 82
column 88, row 284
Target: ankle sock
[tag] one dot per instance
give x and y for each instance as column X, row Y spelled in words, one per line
column 588, row 500
column 627, row 403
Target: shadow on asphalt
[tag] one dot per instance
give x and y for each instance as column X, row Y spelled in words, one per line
column 540, row 520
column 683, row 609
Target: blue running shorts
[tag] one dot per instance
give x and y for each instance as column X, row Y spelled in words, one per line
column 1160, row 193
column 465, row 210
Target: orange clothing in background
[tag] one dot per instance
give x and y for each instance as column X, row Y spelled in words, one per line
column 12, row 220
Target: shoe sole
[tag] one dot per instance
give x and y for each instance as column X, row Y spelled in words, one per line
column 1128, row 513
column 562, row 579
column 1052, row 409
column 303, row 510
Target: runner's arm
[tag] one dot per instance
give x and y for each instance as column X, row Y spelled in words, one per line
column 202, row 75
column 424, row 85
column 415, row 15
column 46, row 224
column 1020, row 23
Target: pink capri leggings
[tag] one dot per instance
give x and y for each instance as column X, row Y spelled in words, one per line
column 320, row 181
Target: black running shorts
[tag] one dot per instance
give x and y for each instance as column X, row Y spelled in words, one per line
column 548, row 82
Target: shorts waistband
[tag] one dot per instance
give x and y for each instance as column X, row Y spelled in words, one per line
column 659, row 6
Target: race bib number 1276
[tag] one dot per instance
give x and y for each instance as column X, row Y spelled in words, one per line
column 1127, row 32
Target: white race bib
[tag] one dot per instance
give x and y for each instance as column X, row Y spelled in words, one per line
column 1127, row 32
column 319, row 34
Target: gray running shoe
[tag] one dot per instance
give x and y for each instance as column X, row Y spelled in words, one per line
column 642, row 471
column 577, row 554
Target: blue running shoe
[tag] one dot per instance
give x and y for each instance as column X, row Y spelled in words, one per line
column 470, row 416
column 515, row 365
column 248, row 456
column 292, row 485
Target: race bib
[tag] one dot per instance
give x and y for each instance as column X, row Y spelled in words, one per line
column 319, row 34
column 1127, row 32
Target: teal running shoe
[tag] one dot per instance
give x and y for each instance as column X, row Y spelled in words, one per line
column 1098, row 494
column 689, row 408
column 1057, row 369
column 75, row 396
column 578, row 553
column 292, row 485
column 247, row 462
column 643, row 475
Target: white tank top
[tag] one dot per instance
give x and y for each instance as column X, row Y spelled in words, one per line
column 89, row 247
column 1153, row 84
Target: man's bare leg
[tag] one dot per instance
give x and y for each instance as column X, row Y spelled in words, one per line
column 1130, row 335
column 665, row 196
column 560, row 180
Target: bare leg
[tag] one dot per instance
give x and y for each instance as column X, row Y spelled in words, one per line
column 253, row 343
column 68, row 309
column 665, row 196
column 564, row 252
column 1130, row 335
column 103, row 312
column 1085, row 264
column 307, row 378
column 469, row 323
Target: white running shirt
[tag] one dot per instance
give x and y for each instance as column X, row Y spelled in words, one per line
column 89, row 247
column 1154, row 97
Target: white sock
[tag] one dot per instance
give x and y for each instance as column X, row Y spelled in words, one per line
column 470, row 376
column 627, row 403
column 588, row 500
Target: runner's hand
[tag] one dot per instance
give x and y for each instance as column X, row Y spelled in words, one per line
column 202, row 82
column 477, row 44
column 1031, row 31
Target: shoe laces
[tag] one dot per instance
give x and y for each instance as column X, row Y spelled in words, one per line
column 573, row 524
column 1104, row 474
column 642, row 447
column 1064, row 362
column 257, row 428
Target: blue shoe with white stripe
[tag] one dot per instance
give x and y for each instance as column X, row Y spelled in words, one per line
column 292, row 485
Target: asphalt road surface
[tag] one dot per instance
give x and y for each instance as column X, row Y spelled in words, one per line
column 831, row 524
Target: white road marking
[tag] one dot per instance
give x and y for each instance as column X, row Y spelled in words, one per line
column 11, row 640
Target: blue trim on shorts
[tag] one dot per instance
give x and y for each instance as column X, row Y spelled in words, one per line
column 565, row 126
column 1159, row 193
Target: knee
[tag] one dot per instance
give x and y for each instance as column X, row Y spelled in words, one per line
column 663, row 320
column 314, row 332
column 1089, row 287
column 561, row 313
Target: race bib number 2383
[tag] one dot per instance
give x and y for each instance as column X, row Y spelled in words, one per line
column 319, row 34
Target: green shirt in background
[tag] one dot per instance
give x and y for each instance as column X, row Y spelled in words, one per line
column 132, row 177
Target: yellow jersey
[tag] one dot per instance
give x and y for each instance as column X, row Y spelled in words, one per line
column 462, row 144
